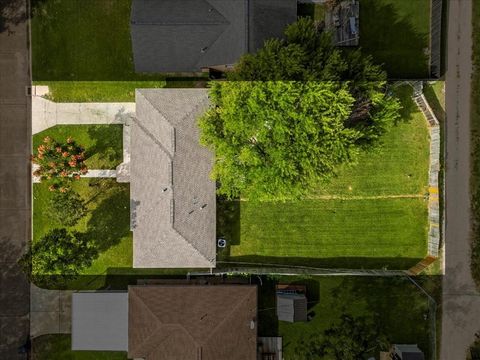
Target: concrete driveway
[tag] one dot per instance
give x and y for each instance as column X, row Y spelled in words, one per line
column 14, row 187
column 461, row 301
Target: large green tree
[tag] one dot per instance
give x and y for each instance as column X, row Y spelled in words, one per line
column 353, row 338
column 291, row 113
column 59, row 253
column 67, row 208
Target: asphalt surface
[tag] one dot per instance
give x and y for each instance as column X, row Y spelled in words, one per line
column 461, row 300
column 14, row 188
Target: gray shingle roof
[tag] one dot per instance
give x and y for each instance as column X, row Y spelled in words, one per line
column 188, row 35
column 172, row 196
column 291, row 307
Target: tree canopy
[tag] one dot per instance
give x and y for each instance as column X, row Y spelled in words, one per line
column 59, row 253
column 67, row 208
column 353, row 338
column 291, row 113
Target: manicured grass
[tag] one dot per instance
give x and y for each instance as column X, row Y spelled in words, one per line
column 355, row 221
column 107, row 223
column 103, row 143
column 59, row 347
column 398, row 307
column 396, row 34
column 398, row 166
column 112, row 91
column 83, row 40
column 475, row 144
column 97, row 91
column 352, row 234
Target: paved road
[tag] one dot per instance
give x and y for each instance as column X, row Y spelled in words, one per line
column 14, row 188
column 461, row 301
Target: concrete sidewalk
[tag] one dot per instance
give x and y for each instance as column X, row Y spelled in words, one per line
column 46, row 113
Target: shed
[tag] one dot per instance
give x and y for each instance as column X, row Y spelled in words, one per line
column 100, row 321
column 407, row 352
column 291, row 307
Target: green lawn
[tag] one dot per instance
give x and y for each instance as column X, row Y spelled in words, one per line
column 59, row 347
column 108, row 220
column 396, row 34
column 103, row 143
column 396, row 304
column 83, row 40
column 373, row 215
column 112, row 91
column 435, row 95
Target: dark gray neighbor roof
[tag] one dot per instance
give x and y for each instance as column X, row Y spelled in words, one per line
column 291, row 307
column 268, row 19
column 173, row 198
column 188, row 35
column 100, row 321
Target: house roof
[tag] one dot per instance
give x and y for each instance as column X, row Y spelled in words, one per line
column 173, row 200
column 192, row 322
column 100, row 321
column 291, row 307
column 188, row 35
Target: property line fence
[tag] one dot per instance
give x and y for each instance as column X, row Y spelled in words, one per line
column 436, row 38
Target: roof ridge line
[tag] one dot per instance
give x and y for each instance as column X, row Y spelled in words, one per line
column 189, row 243
column 245, row 298
column 148, row 133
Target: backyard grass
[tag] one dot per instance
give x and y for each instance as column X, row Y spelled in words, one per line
column 107, row 222
column 59, row 347
column 373, row 215
column 400, row 310
column 83, row 40
column 396, row 34
column 103, row 143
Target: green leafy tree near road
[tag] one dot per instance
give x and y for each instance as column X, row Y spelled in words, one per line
column 59, row 253
column 288, row 117
column 67, row 208
column 59, row 162
column 353, row 338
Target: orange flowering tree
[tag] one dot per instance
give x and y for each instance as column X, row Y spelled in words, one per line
column 59, row 162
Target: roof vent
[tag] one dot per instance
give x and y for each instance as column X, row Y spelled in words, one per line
column 204, row 49
column 252, row 324
column 203, row 206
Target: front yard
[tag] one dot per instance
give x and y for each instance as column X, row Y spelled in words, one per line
column 373, row 215
column 107, row 221
column 103, row 143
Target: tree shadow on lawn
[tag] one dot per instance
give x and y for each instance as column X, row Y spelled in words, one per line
column 392, row 40
column 108, row 142
column 367, row 263
column 110, row 220
column 408, row 105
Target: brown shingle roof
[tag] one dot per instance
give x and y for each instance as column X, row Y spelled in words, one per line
column 169, row 322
